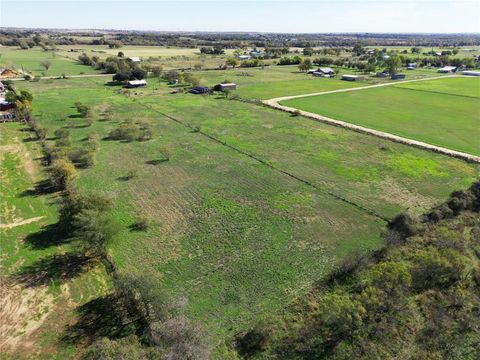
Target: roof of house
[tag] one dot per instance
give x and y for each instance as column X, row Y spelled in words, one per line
column 448, row 68
column 326, row 70
column 137, row 82
column 350, row 76
column 228, row 84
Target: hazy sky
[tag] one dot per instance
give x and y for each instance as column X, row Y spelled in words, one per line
column 247, row 15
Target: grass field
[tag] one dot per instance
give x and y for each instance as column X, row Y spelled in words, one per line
column 38, row 286
column 29, row 60
column 442, row 112
column 276, row 81
column 237, row 238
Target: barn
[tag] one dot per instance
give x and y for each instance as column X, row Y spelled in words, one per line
column 471, row 73
column 447, row 69
column 225, row 86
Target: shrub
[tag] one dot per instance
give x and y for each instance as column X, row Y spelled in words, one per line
column 62, row 174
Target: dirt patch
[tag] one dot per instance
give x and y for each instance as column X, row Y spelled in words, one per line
column 393, row 193
column 20, row 222
column 22, row 312
column 25, row 157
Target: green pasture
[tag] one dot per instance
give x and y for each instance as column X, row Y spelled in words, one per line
column 237, row 238
column 442, row 112
column 29, row 61
column 277, row 81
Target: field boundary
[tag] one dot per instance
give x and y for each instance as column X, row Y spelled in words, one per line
column 274, row 103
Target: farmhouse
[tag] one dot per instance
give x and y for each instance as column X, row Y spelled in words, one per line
column 136, row 83
column 135, row 59
column 471, row 73
column 326, row 71
column 225, row 86
column 447, row 69
column 398, row 77
column 348, row 77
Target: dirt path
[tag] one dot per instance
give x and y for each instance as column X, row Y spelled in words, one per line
column 20, row 222
column 283, row 98
column 274, row 103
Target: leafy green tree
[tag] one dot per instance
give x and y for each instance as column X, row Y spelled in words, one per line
column 305, row 65
column 233, row 62
column 393, row 63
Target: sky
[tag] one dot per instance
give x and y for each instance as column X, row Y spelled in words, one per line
column 321, row 16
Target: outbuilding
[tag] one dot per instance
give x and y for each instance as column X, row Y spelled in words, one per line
column 471, row 73
column 411, row 66
column 135, row 59
column 348, row 77
column 136, row 83
column 243, row 57
column 225, row 86
column 447, row 69
column 199, row 90
column 398, row 77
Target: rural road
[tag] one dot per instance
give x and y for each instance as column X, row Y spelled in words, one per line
column 274, row 103
column 59, row 77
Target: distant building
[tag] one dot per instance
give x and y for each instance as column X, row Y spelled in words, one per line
column 225, row 86
column 411, row 66
column 136, row 83
column 471, row 73
column 347, row 77
column 398, row 77
column 447, row 69
column 243, row 57
column 385, row 57
column 257, row 54
column 382, row 74
column 199, row 90
column 135, row 59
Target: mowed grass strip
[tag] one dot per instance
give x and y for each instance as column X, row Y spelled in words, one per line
column 429, row 115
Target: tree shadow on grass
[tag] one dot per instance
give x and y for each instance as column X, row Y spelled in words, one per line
column 49, row 235
column 42, row 187
column 56, row 268
column 155, row 161
column 101, row 317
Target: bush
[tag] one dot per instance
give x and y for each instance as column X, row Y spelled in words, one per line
column 62, row 174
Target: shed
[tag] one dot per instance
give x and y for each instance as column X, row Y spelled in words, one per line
column 136, row 83
column 447, row 69
column 471, row 73
column 225, row 86
column 411, row 66
column 135, row 59
column 348, row 77
column 243, row 57
column 398, row 77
